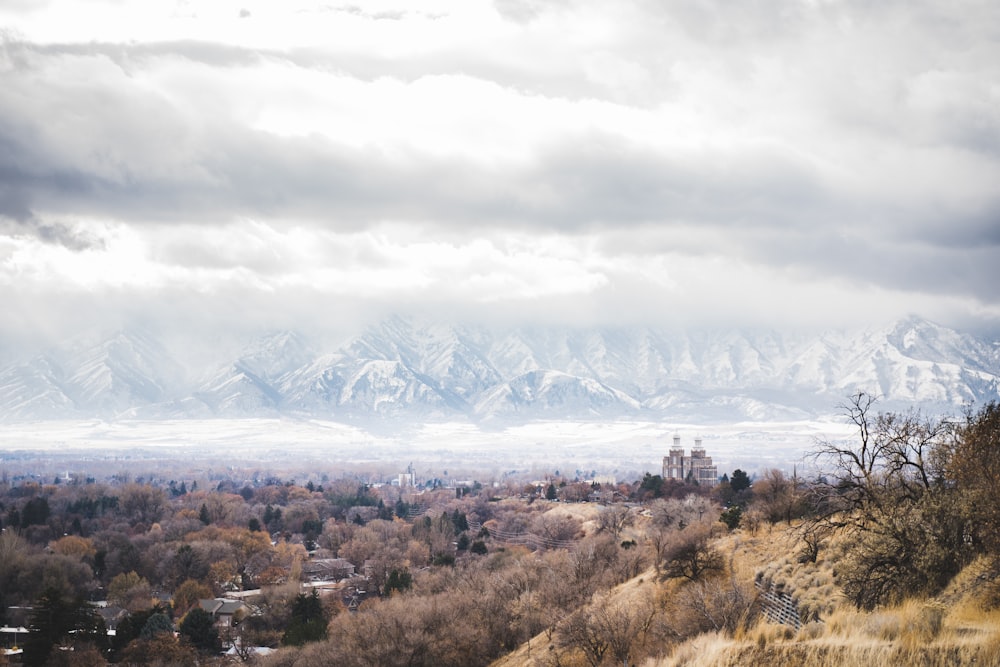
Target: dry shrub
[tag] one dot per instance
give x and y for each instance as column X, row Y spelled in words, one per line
column 884, row 625
column 816, row 602
column 924, row 621
column 845, row 622
column 989, row 597
column 913, row 623
column 766, row 633
column 811, row 585
column 690, row 554
column 990, row 649
column 721, row 604
column 810, row 631
column 703, row 651
column 970, row 614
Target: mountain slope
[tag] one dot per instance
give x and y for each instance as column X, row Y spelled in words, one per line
column 126, row 371
column 407, row 369
column 554, row 395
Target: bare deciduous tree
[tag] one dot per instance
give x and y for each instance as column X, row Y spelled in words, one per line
column 609, row 627
column 614, row 519
column 141, row 503
column 689, row 554
column 889, row 489
column 675, row 513
column 723, row 604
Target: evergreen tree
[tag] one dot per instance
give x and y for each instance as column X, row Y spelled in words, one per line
column 398, row 580
column 55, row 620
column 156, row 624
column 198, row 628
column 731, row 517
column 308, row 622
column 36, row 512
column 132, row 625
column 402, row 509
column 739, row 481
column 651, row 485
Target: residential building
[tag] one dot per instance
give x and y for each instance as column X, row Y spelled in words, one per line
column 223, row 610
column 327, row 569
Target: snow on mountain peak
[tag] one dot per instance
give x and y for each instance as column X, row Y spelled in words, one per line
column 422, row 370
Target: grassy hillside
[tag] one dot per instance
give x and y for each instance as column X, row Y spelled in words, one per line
column 961, row 626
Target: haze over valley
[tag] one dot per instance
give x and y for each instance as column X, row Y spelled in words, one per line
column 475, row 399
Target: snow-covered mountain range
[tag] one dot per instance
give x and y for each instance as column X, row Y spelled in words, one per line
column 415, row 371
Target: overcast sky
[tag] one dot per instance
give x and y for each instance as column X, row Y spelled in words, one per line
column 213, row 163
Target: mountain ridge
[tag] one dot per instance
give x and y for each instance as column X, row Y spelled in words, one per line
column 406, row 369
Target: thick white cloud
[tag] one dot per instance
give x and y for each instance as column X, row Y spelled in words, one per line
column 776, row 162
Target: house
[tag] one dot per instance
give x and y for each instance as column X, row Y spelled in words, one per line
column 224, row 611
column 327, row 569
column 112, row 615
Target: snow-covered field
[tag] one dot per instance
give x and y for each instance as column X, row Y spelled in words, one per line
column 624, row 449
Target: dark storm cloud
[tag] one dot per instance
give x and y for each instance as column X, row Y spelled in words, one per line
column 864, row 257
column 20, row 181
column 765, row 203
column 134, row 156
column 574, row 186
column 48, row 232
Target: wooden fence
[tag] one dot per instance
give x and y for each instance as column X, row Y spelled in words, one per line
column 778, row 606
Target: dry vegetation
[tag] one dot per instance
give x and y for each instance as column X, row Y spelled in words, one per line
column 893, row 563
column 961, row 626
column 913, row 633
column 893, row 560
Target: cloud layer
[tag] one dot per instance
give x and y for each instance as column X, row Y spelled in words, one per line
column 780, row 162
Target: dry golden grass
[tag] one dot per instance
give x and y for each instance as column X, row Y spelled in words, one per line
column 917, row 632
column 959, row 627
column 581, row 511
column 585, row 513
column 804, row 655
